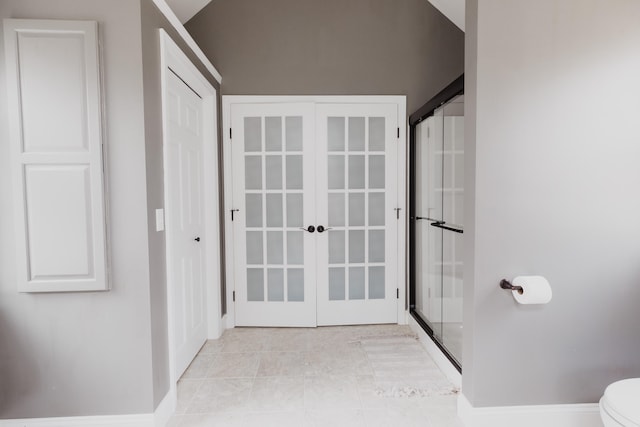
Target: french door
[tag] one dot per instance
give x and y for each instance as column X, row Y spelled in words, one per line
column 315, row 213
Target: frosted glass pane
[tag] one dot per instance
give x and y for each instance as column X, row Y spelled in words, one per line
column 274, row 172
column 448, row 171
column 295, row 247
column 253, row 207
column 356, row 283
column 336, row 172
column 295, row 284
column 336, row 247
column 294, row 210
column 273, row 133
column 254, row 247
column 336, row 210
column 376, row 209
column 294, row 172
column 459, row 171
column 376, row 172
column 376, row 134
column 253, row 172
column 293, row 131
column 335, row 134
column 356, row 133
column 275, row 284
column 356, row 172
column 376, row 282
column 252, row 134
column 275, row 247
column 336, row 284
column 255, row 284
column 356, row 246
column 356, row 209
column 274, row 210
column 376, row 245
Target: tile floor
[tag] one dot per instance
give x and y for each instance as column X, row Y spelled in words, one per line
column 333, row 376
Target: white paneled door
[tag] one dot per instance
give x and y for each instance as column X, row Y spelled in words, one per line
column 315, row 219
column 185, row 219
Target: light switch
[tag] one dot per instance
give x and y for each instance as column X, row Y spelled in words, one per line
column 159, row 219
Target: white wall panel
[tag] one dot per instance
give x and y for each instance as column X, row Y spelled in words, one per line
column 56, row 145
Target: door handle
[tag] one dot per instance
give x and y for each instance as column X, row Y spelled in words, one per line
column 197, row 239
column 322, row 229
column 310, row 229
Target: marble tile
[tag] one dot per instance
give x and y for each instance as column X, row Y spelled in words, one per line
column 335, row 418
column 234, row 365
column 221, row 395
column 274, row 364
column 277, row 394
column 211, row 346
column 274, row 419
column 187, row 388
column 339, row 361
column 199, row 367
column 245, row 342
column 213, row 420
column 331, row 392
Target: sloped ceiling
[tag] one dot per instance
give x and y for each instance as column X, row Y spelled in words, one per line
column 186, row 9
column 452, row 9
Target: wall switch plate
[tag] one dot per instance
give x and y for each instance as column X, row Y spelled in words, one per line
column 159, row 219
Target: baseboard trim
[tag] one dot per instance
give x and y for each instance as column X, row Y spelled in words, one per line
column 166, row 408
column 141, row 420
column 436, row 354
column 579, row 415
column 159, row 418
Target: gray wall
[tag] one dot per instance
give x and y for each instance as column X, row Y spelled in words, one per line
column 69, row 354
column 152, row 20
column 552, row 110
column 330, row 47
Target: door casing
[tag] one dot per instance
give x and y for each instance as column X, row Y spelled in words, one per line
column 172, row 57
column 400, row 101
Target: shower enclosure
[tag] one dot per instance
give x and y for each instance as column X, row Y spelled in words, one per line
column 436, row 218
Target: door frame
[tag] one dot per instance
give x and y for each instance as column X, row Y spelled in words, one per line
column 401, row 103
column 172, row 57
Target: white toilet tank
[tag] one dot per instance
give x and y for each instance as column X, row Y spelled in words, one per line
column 620, row 404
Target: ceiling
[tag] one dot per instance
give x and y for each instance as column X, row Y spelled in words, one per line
column 452, row 9
column 186, row 9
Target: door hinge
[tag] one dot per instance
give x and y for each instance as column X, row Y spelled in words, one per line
column 398, row 133
column 397, row 293
column 233, row 295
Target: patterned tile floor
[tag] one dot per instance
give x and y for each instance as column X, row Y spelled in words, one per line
column 332, row 376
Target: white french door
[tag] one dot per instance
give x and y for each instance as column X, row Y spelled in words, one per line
column 273, row 202
column 315, row 221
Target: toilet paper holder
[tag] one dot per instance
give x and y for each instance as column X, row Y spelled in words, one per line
column 505, row 284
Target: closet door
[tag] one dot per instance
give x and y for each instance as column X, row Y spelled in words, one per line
column 274, row 205
column 357, row 190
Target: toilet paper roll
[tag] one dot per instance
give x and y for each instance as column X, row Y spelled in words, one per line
column 535, row 290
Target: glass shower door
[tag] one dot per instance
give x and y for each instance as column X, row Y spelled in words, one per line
column 438, row 226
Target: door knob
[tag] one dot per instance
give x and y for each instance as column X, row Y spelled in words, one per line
column 197, row 239
column 321, row 228
column 310, row 229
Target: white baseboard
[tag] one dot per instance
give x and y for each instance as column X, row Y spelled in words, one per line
column 141, row 420
column 436, row 354
column 166, row 408
column 159, row 418
column 580, row 415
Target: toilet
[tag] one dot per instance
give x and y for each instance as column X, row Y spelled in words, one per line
column 620, row 404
